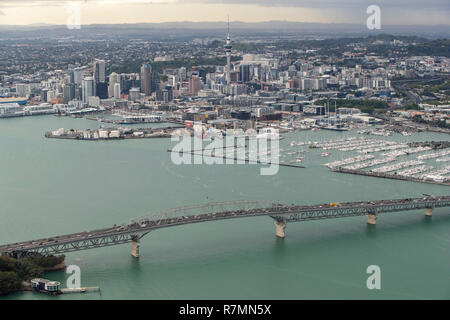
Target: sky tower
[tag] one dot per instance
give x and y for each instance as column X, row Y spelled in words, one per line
column 228, row 48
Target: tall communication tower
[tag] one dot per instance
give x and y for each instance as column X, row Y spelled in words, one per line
column 228, row 48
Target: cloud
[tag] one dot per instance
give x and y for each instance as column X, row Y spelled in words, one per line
column 352, row 11
column 333, row 3
column 406, row 4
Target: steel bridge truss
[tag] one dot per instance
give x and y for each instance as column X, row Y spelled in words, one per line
column 138, row 228
column 82, row 244
column 342, row 212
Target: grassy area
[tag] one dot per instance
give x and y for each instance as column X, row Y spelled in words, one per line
column 134, row 66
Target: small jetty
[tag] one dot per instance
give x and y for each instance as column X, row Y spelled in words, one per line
column 80, row 290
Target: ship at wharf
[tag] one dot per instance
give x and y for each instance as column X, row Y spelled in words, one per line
column 389, row 176
column 111, row 133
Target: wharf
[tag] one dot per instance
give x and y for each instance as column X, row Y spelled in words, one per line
column 112, row 133
column 387, row 176
column 281, row 164
column 121, row 121
column 80, row 290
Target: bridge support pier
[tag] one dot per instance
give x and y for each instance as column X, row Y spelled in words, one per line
column 428, row 212
column 135, row 248
column 280, row 227
column 371, row 218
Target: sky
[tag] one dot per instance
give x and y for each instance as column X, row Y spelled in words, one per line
column 393, row 12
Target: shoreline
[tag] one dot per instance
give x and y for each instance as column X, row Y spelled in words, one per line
column 26, row 285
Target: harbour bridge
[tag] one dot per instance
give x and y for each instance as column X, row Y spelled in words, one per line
column 282, row 214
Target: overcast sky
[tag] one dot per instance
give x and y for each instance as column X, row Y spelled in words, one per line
column 136, row 11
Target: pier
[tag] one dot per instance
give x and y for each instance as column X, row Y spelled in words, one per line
column 224, row 157
column 80, row 290
column 387, row 176
column 111, row 133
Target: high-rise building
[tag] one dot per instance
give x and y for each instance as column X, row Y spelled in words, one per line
column 78, row 75
column 146, row 79
column 164, row 95
column 117, row 91
column 113, row 79
column 244, row 73
column 68, row 92
column 101, row 90
column 134, row 94
column 128, row 81
column 88, row 88
column 194, row 85
column 99, row 71
column 20, row 89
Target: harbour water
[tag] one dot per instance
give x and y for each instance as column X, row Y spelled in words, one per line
column 50, row 187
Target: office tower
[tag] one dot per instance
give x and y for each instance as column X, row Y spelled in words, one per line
column 44, row 94
column 194, row 85
column 244, row 73
column 101, row 90
column 128, row 81
column 182, row 73
column 88, row 88
column 164, row 95
column 20, row 89
column 113, row 79
column 99, row 71
column 146, row 79
column 78, row 75
column 68, row 92
column 134, row 94
column 117, row 91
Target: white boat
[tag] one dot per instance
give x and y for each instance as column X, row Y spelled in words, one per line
column 269, row 134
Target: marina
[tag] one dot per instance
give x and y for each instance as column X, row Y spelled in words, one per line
column 431, row 179
column 99, row 172
column 398, row 166
column 373, row 155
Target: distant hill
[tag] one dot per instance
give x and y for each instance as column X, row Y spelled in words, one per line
column 201, row 29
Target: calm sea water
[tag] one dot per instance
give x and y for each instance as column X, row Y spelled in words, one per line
column 50, row 187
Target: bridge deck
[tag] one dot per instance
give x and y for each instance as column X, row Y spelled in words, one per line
column 287, row 213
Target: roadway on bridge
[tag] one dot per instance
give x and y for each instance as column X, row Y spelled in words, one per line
column 139, row 227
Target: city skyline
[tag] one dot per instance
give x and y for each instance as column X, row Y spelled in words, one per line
column 399, row 12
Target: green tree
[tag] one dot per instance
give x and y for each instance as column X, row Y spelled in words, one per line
column 9, row 282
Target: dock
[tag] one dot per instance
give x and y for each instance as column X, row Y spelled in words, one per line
column 281, row 164
column 112, row 133
column 80, row 290
column 387, row 176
